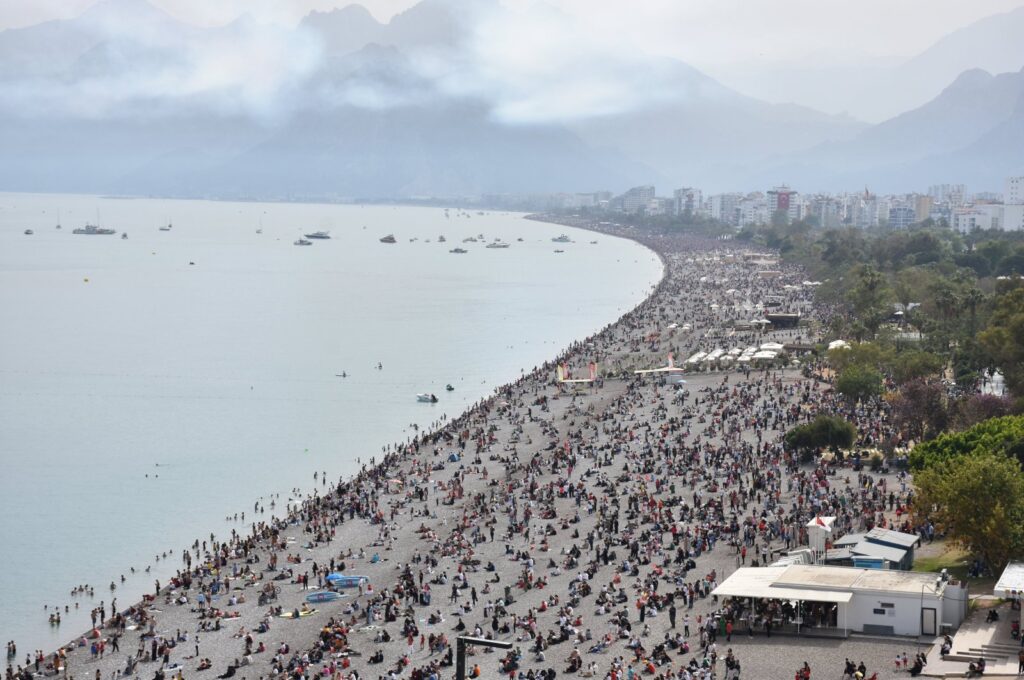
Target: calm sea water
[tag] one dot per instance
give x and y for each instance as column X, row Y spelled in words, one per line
column 144, row 398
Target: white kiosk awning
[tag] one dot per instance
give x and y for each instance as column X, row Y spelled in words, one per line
column 759, row 582
column 1011, row 583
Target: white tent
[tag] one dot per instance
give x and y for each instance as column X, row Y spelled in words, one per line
column 1011, row 582
column 774, row 346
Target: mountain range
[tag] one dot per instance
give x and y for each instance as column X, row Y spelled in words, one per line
column 124, row 99
column 879, row 88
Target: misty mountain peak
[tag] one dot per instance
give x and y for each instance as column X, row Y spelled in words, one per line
column 349, row 14
column 124, row 12
column 971, row 78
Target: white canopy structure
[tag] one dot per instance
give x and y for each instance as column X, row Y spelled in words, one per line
column 1011, row 582
column 760, row 583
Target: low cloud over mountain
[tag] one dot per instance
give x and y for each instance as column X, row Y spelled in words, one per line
column 450, row 97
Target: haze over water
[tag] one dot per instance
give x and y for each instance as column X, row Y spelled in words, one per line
column 118, row 355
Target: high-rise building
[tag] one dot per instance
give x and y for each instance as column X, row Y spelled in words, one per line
column 752, row 209
column 923, row 205
column 901, row 216
column 686, row 201
column 826, row 210
column 950, row 194
column 722, row 207
column 636, row 199
column 980, row 216
column 1014, row 191
column 864, row 210
column 784, row 201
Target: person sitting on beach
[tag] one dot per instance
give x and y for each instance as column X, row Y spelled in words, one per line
column 230, row 671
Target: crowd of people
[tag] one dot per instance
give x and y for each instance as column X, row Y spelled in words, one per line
column 586, row 526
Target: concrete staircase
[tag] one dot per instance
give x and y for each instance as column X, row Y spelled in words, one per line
column 974, row 639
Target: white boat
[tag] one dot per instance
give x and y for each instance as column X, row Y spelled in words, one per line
column 319, row 234
column 303, row 242
column 93, row 230
column 390, row 238
column 562, row 239
column 458, row 251
column 498, row 244
column 166, row 227
column 426, row 398
column 469, row 239
column 29, row 232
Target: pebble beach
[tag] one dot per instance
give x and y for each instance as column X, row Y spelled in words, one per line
column 584, row 523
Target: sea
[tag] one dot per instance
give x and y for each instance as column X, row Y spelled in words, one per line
column 153, row 387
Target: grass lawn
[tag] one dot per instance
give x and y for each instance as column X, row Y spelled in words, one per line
column 939, row 556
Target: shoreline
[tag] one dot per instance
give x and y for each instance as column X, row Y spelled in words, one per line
column 295, row 504
column 483, row 507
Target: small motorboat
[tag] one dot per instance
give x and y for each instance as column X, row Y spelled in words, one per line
column 390, row 238
column 441, row 239
column 559, row 251
column 499, row 244
column 449, row 387
column 93, row 230
column 426, row 398
column 166, row 227
column 458, row 251
column 303, row 242
column 29, row 232
column 124, row 235
column 561, row 239
column 319, row 234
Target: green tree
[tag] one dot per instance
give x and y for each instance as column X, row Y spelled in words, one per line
column 824, row 431
column 920, row 410
column 978, row 501
column 1004, row 339
column 913, row 365
column 976, row 408
column 858, row 383
column 1004, row 436
column 871, row 298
